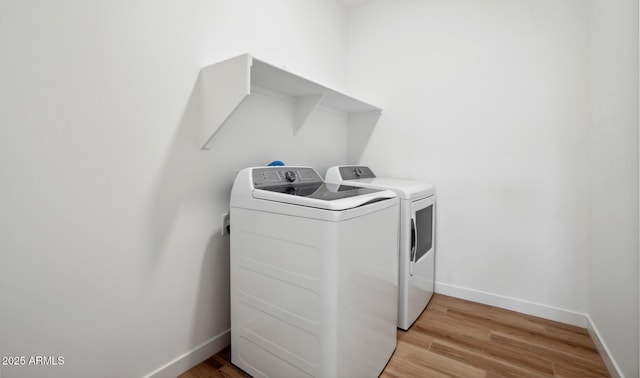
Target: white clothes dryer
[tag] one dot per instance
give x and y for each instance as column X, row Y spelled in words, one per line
column 416, row 250
column 313, row 283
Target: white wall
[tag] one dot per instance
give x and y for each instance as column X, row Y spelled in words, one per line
column 110, row 254
column 613, row 234
column 488, row 100
column 109, row 247
column 525, row 117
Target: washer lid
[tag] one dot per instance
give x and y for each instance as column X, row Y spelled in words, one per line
column 362, row 176
column 323, row 196
column 405, row 189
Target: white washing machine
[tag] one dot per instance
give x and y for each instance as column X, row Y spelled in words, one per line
column 314, row 285
column 417, row 235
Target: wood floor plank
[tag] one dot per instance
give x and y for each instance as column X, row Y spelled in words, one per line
column 564, row 370
column 492, row 317
column 230, row 371
column 406, row 353
column 455, row 333
column 216, row 366
column 418, row 338
column 501, row 353
column 505, row 316
column 590, row 362
column 437, row 308
column 459, row 338
column 444, row 327
column 556, row 345
column 199, row 371
column 558, row 340
column 400, row 368
column 486, row 362
column 574, row 336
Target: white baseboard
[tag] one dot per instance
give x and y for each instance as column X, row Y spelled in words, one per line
column 535, row 309
column 514, row 304
column 193, row 357
column 610, row 363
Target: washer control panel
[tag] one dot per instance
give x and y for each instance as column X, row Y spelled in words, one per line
column 277, row 176
column 354, row 172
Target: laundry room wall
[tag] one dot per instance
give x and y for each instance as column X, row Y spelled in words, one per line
column 524, row 116
column 489, row 101
column 613, row 171
column 110, row 246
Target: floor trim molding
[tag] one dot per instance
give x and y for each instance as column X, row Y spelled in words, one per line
column 535, row 309
column 193, row 357
column 609, row 362
column 514, row 304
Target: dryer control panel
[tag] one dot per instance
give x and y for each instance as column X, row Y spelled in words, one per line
column 354, row 172
column 277, row 176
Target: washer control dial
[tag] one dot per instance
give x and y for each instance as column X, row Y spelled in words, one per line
column 290, row 176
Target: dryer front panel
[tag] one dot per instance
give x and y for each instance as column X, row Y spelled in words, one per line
column 417, row 281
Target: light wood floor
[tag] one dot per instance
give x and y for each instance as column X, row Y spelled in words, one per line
column 458, row 338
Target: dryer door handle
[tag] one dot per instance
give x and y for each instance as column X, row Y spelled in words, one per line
column 414, row 238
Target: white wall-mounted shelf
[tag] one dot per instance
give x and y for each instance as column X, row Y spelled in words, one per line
column 226, row 84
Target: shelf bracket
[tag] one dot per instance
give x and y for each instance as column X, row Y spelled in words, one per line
column 223, row 87
column 304, row 107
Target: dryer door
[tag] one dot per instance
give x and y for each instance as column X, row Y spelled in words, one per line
column 422, row 233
